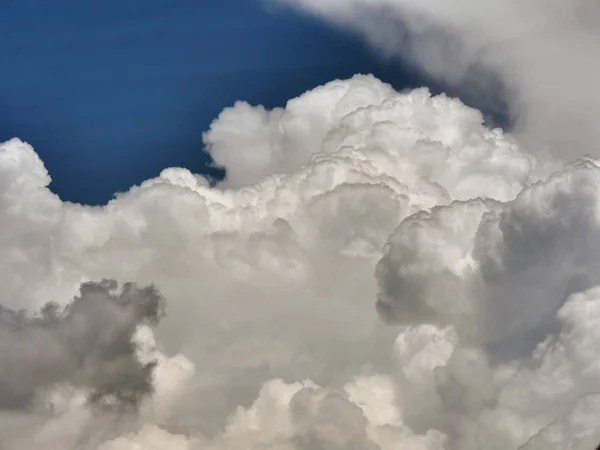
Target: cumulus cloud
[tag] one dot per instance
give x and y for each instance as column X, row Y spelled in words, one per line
column 352, row 204
column 88, row 345
column 543, row 52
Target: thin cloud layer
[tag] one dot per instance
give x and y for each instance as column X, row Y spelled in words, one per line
column 353, row 206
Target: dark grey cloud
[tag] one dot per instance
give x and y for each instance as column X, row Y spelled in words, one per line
column 88, row 344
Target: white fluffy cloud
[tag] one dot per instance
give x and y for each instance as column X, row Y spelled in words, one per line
column 482, row 255
column 543, row 51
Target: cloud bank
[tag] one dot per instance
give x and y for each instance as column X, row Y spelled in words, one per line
column 544, row 53
column 352, row 206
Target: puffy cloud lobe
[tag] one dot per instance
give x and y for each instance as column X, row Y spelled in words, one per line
column 253, row 142
column 89, row 346
column 428, row 261
column 432, row 144
column 543, row 53
column 541, row 249
column 502, row 276
column 544, row 398
column 351, row 193
column 483, row 264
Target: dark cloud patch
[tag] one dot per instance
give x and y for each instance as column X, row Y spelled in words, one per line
column 88, row 344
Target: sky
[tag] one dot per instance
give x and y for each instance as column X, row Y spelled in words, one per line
column 381, row 268
column 111, row 92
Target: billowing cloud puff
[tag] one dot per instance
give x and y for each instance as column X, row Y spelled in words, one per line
column 540, row 55
column 352, row 204
column 496, row 269
column 89, row 345
column 455, row 153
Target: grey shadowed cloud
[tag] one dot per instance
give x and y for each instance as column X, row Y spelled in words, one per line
column 88, row 344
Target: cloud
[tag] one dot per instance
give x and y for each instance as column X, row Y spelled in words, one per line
column 482, row 265
column 542, row 52
column 253, row 142
column 89, row 345
column 351, row 204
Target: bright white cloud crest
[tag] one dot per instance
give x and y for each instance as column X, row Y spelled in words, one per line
column 543, row 51
column 484, row 256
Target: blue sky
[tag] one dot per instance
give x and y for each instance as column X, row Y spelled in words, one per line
column 110, row 92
